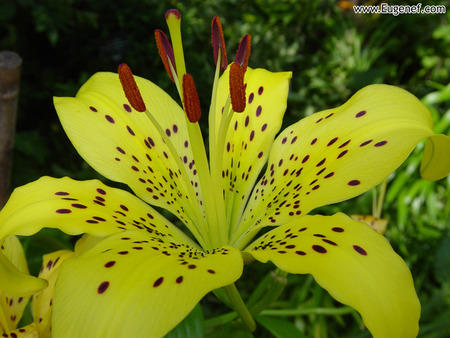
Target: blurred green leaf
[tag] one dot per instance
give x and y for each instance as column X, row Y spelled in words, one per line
column 280, row 328
column 192, row 326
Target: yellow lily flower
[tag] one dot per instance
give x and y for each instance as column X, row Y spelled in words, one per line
column 145, row 275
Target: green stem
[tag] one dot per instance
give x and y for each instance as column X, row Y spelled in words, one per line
column 300, row 312
column 239, row 306
column 220, row 320
column 227, row 317
column 381, row 198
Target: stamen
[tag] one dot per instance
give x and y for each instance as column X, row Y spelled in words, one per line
column 165, row 51
column 130, row 88
column 173, row 20
column 218, row 43
column 190, row 99
column 237, row 87
column 243, row 52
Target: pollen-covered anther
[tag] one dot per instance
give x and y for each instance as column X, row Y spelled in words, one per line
column 237, row 87
column 165, row 51
column 190, row 99
column 243, row 51
column 130, row 88
column 218, row 43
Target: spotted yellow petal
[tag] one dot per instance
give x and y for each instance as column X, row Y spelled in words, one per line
column 43, row 301
column 250, row 134
column 436, row 158
column 74, row 207
column 77, row 207
column 15, row 290
column 337, row 154
column 134, row 284
column 28, row 331
column 356, row 265
column 125, row 146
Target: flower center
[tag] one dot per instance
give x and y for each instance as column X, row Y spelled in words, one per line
column 214, row 229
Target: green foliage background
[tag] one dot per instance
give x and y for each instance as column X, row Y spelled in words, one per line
column 332, row 53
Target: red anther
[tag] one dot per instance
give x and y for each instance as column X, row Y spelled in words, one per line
column 237, row 87
column 243, row 52
column 130, row 88
column 218, row 43
column 165, row 51
column 175, row 12
column 190, row 99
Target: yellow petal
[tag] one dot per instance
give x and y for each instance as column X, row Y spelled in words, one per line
column 250, row 134
column 137, row 285
column 29, row 331
column 77, row 207
column 125, row 146
column 15, row 290
column 356, row 265
column 43, row 301
column 337, row 154
column 436, row 158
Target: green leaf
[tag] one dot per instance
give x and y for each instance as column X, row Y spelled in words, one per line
column 442, row 261
column 192, row 326
column 280, row 328
column 228, row 330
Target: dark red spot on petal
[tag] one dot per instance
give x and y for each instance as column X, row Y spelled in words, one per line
column 379, row 144
column 63, row 211
column 342, row 153
column 61, row 193
column 365, row 143
column 158, row 282
column 109, row 119
column 337, row 229
column 79, row 206
column 130, row 131
column 361, row 113
column 179, row 279
column 110, row 264
column 329, row 175
column 319, row 249
column 101, row 191
column 332, row 141
column 329, row 242
column 102, row 287
column 360, row 250
column 301, row 253
column 354, row 182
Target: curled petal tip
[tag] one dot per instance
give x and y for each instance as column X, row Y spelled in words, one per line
column 130, row 88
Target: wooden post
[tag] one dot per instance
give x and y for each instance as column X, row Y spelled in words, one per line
column 10, row 64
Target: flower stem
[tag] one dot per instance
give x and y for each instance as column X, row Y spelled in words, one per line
column 239, row 306
column 308, row 311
